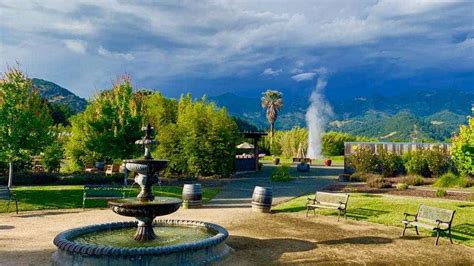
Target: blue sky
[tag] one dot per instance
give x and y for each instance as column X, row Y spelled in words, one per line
column 212, row 47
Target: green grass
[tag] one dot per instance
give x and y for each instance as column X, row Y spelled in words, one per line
column 389, row 209
column 338, row 160
column 68, row 197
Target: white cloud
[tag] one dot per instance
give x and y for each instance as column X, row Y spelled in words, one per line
column 76, row 46
column 104, row 52
column 271, row 72
column 218, row 39
column 303, row 76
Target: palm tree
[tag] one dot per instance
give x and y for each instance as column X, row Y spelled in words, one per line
column 273, row 102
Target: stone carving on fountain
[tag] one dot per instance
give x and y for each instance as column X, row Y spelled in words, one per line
column 145, row 207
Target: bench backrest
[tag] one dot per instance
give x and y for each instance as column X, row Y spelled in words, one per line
column 4, row 192
column 332, row 198
column 431, row 214
column 103, row 191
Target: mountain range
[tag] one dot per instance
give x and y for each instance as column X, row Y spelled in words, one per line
column 410, row 115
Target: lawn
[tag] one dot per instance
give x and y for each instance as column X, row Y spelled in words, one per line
column 336, row 160
column 68, row 197
column 389, row 209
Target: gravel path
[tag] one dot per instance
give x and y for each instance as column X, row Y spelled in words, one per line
column 238, row 192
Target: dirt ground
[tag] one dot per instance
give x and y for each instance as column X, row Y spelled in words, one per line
column 257, row 239
column 425, row 193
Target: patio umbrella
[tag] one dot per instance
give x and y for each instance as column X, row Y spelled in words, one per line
column 300, row 153
column 245, row 145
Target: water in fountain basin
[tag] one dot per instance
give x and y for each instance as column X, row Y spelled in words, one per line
column 167, row 236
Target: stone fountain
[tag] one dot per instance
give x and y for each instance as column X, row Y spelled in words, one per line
column 145, row 207
column 177, row 241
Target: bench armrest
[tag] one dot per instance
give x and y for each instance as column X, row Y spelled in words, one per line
column 409, row 214
column 310, row 200
column 442, row 222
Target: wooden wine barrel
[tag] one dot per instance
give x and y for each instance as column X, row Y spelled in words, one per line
column 262, row 199
column 192, row 195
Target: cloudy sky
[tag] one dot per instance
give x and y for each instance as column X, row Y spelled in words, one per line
column 245, row 47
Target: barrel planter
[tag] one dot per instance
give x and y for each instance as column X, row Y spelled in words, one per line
column 192, row 196
column 262, row 199
column 302, row 167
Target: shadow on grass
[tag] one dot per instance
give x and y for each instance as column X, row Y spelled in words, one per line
column 290, row 209
column 363, row 240
column 265, row 251
column 364, row 213
column 463, row 232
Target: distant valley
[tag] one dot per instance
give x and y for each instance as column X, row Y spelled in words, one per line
column 414, row 115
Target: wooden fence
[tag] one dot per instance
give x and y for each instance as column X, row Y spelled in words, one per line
column 394, row 147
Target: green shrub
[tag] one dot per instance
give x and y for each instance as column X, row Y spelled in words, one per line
column 441, row 192
column 462, row 151
column 451, row 180
column 416, row 163
column 413, row 180
column 402, row 186
column 438, row 161
column 281, row 174
column 390, row 164
column 364, row 161
column 376, row 181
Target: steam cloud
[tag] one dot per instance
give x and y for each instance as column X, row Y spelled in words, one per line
column 317, row 116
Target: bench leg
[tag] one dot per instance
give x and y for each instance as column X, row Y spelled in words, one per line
column 404, row 229
column 449, row 233
column 307, row 210
column 83, row 203
column 416, row 229
column 437, row 237
column 16, row 203
column 8, row 205
column 338, row 215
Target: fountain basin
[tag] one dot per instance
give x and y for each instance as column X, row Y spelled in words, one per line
column 73, row 248
column 145, row 167
column 133, row 207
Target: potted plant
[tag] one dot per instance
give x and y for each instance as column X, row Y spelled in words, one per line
column 275, row 160
column 327, row 162
column 302, row 167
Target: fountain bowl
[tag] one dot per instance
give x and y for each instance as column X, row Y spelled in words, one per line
column 145, row 167
column 201, row 252
column 133, row 207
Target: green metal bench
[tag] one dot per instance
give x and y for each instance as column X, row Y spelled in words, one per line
column 6, row 194
column 95, row 192
column 323, row 200
column 431, row 218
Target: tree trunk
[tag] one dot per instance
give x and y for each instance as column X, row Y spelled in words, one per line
column 10, row 174
column 271, row 134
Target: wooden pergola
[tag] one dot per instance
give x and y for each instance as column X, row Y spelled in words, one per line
column 256, row 136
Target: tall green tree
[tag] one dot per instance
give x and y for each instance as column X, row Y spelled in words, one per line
column 201, row 142
column 109, row 126
column 273, row 102
column 24, row 119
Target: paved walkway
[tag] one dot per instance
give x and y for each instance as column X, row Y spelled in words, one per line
column 238, row 193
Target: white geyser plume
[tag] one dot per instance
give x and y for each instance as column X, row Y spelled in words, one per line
column 317, row 116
